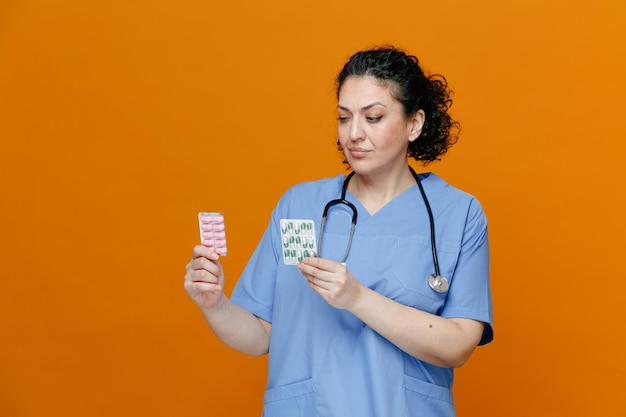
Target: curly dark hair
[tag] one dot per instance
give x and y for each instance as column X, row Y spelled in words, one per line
column 416, row 91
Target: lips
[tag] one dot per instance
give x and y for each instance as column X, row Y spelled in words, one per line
column 358, row 152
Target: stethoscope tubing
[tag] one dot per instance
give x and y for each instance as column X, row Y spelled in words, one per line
column 436, row 282
column 433, row 242
column 330, row 204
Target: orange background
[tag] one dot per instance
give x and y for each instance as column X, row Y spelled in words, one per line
column 120, row 120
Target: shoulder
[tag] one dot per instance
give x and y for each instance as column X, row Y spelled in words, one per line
column 318, row 184
column 310, row 192
column 443, row 194
column 439, row 187
column 309, row 189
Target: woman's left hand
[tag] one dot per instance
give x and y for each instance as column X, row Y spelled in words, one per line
column 332, row 281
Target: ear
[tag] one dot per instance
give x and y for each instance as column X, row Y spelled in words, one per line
column 416, row 124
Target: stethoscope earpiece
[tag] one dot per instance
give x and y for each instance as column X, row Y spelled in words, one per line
column 438, row 283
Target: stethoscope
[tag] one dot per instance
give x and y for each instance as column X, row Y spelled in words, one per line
column 436, row 282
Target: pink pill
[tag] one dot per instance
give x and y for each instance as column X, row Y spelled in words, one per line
column 220, row 242
column 219, row 235
column 208, row 242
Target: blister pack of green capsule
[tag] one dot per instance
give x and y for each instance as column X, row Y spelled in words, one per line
column 298, row 238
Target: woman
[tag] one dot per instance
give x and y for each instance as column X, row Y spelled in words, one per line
column 366, row 328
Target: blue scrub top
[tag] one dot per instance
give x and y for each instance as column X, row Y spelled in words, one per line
column 325, row 361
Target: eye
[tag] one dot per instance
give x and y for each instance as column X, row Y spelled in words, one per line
column 342, row 119
column 373, row 119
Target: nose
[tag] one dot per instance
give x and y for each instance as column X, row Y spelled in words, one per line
column 356, row 132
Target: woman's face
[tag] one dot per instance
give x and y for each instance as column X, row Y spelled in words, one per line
column 373, row 129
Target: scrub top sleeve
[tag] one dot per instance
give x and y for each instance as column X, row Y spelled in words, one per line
column 470, row 294
column 254, row 290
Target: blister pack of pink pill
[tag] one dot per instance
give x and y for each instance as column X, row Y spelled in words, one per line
column 212, row 231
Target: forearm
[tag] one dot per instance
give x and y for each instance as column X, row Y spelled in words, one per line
column 433, row 339
column 238, row 328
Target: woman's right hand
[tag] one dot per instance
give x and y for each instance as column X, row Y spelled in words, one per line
column 204, row 280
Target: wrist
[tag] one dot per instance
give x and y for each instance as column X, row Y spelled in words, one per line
column 359, row 301
column 216, row 307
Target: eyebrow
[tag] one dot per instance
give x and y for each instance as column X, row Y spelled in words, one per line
column 369, row 106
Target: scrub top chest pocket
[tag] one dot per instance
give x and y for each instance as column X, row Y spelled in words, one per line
column 297, row 239
column 413, row 265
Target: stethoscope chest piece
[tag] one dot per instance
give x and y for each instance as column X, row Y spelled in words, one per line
column 438, row 283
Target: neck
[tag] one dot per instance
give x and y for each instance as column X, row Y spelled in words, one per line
column 374, row 192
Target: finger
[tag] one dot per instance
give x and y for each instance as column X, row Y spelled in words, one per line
column 316, row 277
column 201, row 286
column 202, row 267
column 309, row 271
column 323, row 264
column 203, row 292
column 319, row 286
column 202, row 263
column 201, row 251
column 201, row 276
